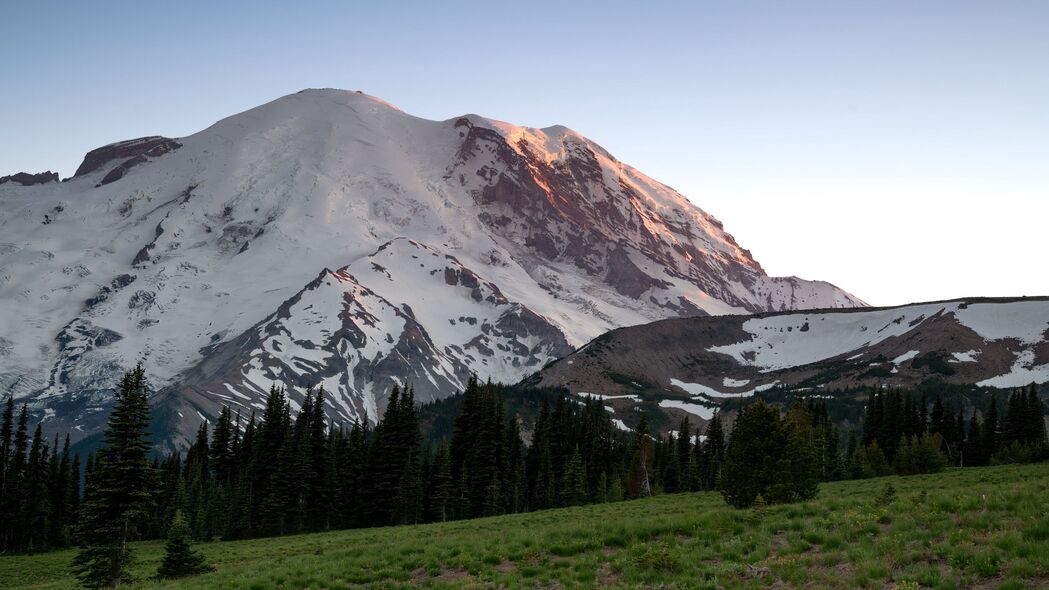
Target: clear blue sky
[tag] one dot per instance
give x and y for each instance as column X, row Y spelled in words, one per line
column 855, row 142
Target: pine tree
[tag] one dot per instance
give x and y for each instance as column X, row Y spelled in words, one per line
column 770, row 457
column 34, row 512
column 573, row 490
column 6, row 450
column 439, row 490
column 713, row 453
column 179, row 558
column 938, row 423
column 119, row 485
column 638, row 482
column 59, row 483
column 15, row 474
column 991, row 434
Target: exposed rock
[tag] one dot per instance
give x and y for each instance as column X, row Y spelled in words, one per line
column 27, row 179
column 132, row 152
column 723, row 357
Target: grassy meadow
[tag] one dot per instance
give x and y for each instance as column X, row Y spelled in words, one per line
column 972, row 528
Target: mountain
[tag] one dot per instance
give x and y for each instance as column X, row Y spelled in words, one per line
column 697, row 364
column 328, row 237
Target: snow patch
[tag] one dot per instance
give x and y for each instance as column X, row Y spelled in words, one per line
column 696, row 409
column 905, row 357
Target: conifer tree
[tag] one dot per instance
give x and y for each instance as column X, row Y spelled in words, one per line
column 573, row 490
column 179, row 558
column 768, row 456
column 638, row 482
column 713, row 453
column 119, row 485
column 34, row 512
column 991, row 435
column 6, row 434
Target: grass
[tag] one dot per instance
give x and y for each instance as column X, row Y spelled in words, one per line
column 973, row 528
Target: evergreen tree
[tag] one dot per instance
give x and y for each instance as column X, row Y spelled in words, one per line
column 768, row 456
column 713, row 456
column 439, row 490
column 179, row 558
column 59, row 483
column 6, row 451
column 991, row 435
column 573, row 490
column 638, row 482
column 34, row 512
column 119, row 486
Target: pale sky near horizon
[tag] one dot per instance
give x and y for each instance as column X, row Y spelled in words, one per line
column 899, row 149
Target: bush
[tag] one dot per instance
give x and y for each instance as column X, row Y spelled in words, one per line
column 920, row 455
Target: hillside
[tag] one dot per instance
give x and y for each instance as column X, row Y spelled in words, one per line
column 972, row 528
column 694, row 365
column 329, row 237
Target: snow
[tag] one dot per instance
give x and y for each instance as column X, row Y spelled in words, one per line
column 700, row 389
column 1023, row 372
column 782, row 341
column 779, row 342
column 905, row 357
column 250, row 210
column 730, row 382
column 602, row 397
column 1026, row 321
column 701, row 411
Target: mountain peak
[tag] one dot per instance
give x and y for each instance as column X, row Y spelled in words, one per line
column 463, row 246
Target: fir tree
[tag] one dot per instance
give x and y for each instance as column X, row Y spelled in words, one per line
column 119, row 485
column 573, row 490
column 179, row 558
column 638, row 482
column 768, row 456
column 713, row 453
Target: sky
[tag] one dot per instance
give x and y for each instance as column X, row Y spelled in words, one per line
column 899, row 149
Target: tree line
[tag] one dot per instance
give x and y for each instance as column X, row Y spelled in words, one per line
column 903, row 433
column 292, row 471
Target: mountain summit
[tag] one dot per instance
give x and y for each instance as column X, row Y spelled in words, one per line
column 328, row 237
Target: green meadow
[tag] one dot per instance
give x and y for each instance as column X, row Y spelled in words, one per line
column 964, row 528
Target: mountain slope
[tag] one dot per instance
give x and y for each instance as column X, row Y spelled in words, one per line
column 695, row 364
column 195, row 256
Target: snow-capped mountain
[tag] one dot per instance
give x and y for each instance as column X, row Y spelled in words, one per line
column 696, row 364
column 328, row 237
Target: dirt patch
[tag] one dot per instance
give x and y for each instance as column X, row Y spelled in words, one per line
column 505, row 566
column 777, row 543
column 606, row 576
column 453, row 574
column 419, row 576
column 756, row 571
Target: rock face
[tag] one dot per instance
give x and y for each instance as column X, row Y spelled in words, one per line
column 696, row 364
column 328, row 237
column 27, row 179
column 125, row 151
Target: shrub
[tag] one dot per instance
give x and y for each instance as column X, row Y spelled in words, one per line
column 920, row 455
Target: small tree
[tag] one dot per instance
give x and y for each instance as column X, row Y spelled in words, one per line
column 179, row 558
column 920, row 455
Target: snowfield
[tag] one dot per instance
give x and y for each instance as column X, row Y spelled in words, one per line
column 199, row 246
column 783, row 341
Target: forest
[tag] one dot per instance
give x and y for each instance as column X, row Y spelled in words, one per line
column 286, row 472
